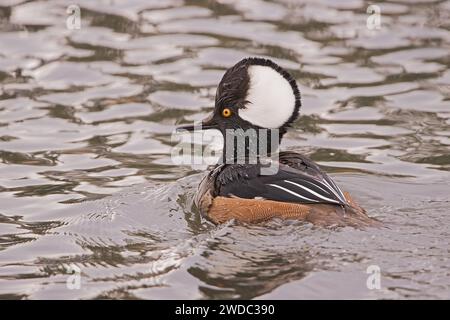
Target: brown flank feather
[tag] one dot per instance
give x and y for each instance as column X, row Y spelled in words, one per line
column 223, row 209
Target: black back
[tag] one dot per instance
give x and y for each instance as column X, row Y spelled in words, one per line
column 298, row 180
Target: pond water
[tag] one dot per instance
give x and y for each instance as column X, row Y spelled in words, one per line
column 87, row 184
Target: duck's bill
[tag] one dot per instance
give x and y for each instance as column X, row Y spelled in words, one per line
column 206, row 124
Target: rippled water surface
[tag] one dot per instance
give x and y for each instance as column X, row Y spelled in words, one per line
column 87, row 181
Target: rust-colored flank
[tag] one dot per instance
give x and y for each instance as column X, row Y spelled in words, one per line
column 255, row 210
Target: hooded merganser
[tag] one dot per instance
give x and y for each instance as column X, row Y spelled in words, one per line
column 258, row 94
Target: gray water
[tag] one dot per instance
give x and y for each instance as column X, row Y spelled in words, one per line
column 86, row 175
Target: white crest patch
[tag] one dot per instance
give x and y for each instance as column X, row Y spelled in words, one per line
column 271, row 98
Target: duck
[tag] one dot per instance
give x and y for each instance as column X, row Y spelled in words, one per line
column 258, row 182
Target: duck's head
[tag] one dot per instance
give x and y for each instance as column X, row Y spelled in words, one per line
column 254, row 93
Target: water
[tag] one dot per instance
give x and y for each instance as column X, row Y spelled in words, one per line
column 86, row 114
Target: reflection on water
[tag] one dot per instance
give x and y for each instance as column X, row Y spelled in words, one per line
column 88, row 113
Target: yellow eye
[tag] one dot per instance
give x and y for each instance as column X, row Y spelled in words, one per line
column 226, row 112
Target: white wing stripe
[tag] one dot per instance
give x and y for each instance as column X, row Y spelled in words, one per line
column 336, row 187
column 312, row 192
column 315, row 185
column 334, row 191
column 292, row 192
column 328, row 187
